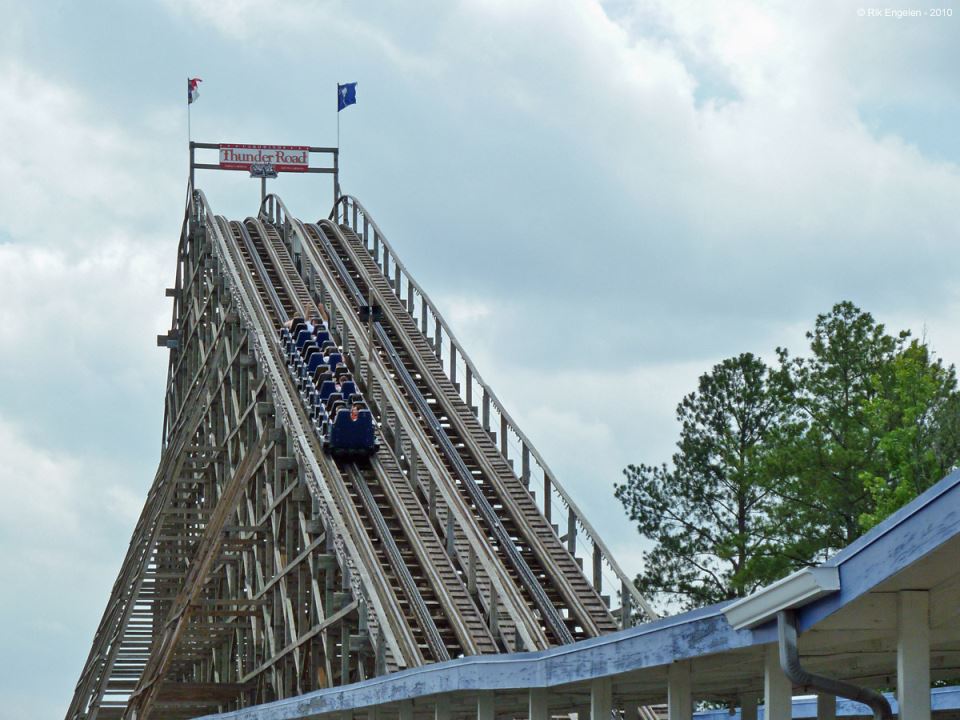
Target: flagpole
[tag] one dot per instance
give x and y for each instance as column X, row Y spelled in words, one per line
column 339, row 159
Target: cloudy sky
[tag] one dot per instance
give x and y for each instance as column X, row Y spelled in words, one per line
column 605, row 198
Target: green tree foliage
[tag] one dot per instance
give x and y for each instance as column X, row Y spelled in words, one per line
column 778, row 468
column 710, row 516
column 821, row 455
column 916, row 419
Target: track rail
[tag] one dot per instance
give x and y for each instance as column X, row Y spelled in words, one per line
column 273, row 285
column 504, row 536
column 470, row 547
column 568, row 585
column 462, row 372
column 439, row 609
column 401, row 647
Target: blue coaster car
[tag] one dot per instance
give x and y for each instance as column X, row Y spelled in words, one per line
column 351, row 433
column 343, row 420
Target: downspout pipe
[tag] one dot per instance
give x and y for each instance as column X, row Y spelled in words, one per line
column 790, row 663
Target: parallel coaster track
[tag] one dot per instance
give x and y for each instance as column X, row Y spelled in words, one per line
column 252, row 244
column 569, row 587
column 351, row 214
column 504, row 538
column 422, row 549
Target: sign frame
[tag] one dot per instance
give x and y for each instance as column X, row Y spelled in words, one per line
column 332, row 153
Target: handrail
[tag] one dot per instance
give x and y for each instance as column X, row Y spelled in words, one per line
column 601, row 550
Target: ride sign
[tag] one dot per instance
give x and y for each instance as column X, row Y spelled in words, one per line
column 280, row 158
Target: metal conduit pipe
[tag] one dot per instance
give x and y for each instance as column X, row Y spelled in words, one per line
column 790, row 663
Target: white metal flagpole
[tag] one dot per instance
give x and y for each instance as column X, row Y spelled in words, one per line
column 339, row 156
column 189, row 132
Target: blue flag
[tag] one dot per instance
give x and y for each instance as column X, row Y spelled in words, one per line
column 346, row 95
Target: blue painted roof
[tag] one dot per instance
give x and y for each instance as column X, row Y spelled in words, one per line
column 941, row 699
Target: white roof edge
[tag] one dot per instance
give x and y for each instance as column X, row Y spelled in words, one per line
column 793, row 591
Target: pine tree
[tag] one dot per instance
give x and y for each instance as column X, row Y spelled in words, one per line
column 709, row 516
column 819, row 458
column 779, row 468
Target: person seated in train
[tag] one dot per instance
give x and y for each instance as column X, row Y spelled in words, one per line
column 346, row 415
column 334, row 405
column 297, row 363
column 317, row 399
column 288, row 333
column 303, row 361
column 299, row 331
column 328, row 346
column 322, row 374
column 301, row 339
column 310, row 348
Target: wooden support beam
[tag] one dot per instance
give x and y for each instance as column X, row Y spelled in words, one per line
column 199, row 691
column 485, row 706
column 679, row 691
column 913, row 654
column 826, row 707
column 777, row 689
column 601, row 699
column 179, row 615
column 537, row 703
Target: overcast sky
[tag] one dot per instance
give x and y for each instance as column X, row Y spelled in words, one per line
column 605, row 199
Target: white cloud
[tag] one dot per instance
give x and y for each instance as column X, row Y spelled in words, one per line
column 40, row 490
column 73, row 172
column 297, row 22
column 56, row 544
column 88, row 230
column 52, row 502
column 465, row 311
column 83, row 262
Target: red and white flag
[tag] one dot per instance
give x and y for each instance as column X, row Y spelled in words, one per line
column 193, row 91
